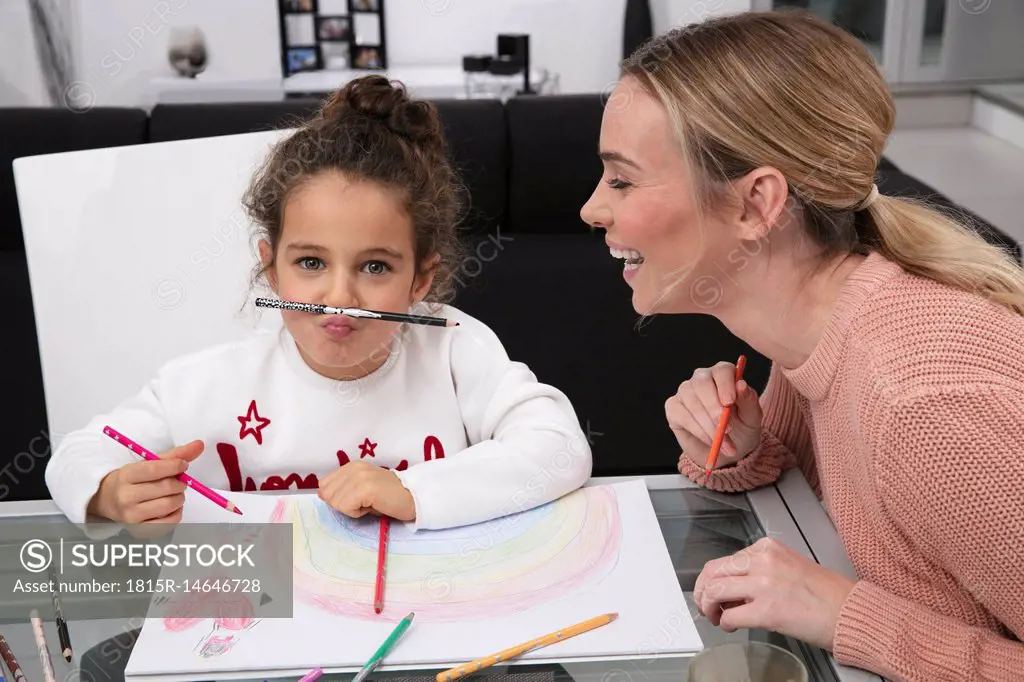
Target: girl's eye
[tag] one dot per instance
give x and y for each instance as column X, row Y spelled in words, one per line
column 376, row 267
column 310, row 263
column 615, row 183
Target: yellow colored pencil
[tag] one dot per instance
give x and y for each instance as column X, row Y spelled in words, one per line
column 512, row 652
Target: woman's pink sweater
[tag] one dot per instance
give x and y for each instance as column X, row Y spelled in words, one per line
column 908, row 421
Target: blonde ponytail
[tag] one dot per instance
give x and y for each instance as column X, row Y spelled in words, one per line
column 791, row 91
column 925, row 242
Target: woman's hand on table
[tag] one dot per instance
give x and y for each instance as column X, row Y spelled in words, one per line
column 770, row 586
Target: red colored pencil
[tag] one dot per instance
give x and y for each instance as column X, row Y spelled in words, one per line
column 723, row 422
column 11, row 661
column 382, row 554
column 209, row 494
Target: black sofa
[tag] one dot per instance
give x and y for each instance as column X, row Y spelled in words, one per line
column 536, row 273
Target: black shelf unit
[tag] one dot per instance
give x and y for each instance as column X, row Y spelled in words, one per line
column 317, row 36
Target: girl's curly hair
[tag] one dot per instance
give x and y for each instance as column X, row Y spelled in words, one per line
column 371, row 130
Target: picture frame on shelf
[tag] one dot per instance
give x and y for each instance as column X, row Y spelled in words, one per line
column 303, row 59
column 333, row 7
column 299, row 30
column 332, row 35
column 366, row 29
column 369, row 38
column 336, row 56
column 368, row 57
column 334, row 29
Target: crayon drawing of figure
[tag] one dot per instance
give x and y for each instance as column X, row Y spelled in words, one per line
column 223, row 636
column 231, row 613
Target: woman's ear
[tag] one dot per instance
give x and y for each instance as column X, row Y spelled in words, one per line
column 267, row 261
column 424, row 278
column 763, row 193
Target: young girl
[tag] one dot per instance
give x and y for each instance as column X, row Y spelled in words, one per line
column 431, row 425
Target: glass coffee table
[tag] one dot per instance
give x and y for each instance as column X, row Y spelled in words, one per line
column 698, row 525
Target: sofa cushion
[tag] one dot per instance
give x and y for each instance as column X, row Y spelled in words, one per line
column 559, row 304
column 475, row 131
column 886, row 165
column 477, row 139
column 24, row 436
column 189, row 121
column 554, row 167
column 34, row 131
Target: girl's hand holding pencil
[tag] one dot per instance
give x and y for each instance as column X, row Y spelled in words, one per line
column 146, row 491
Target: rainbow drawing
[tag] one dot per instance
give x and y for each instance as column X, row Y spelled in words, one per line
column 476, row 572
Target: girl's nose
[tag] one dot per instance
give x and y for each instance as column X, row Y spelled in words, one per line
column 343, row 294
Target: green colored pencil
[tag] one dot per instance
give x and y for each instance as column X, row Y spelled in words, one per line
column 384, row 649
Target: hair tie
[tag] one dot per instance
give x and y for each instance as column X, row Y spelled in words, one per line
column 870, row 199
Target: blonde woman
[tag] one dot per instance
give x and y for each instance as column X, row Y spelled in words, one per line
column 740, row 157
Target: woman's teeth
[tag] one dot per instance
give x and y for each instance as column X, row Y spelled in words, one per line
column 633, row 258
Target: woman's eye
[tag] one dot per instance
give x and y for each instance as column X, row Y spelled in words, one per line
column 310, row 263
column 615, row 183
column 376, row 267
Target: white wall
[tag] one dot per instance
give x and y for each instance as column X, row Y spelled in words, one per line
column 581, row 40
column 21, row 79
column 670, row 13
column 123, row 43
column 578, row 39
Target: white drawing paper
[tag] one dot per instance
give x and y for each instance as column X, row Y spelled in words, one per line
column 475, row 590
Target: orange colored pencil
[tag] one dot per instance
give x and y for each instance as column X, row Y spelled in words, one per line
column 723, row 422
column 382, row 555
column 551, row 638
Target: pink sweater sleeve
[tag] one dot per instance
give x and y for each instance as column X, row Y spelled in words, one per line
column 950, row 470
column 785, row 442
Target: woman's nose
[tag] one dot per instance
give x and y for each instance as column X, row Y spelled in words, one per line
column 594, row 213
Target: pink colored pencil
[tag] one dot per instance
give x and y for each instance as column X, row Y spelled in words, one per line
column 219, row 500
column 312, row 675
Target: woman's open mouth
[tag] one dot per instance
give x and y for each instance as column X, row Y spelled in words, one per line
column 633, row 260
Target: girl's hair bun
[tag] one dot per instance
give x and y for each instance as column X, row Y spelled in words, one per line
column 378, row 98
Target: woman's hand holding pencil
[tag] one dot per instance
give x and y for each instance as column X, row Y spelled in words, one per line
column 716, row 416
column 146, row 490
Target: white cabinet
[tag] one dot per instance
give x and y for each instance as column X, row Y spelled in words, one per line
column 930, row 41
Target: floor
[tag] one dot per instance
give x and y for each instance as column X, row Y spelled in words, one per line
column 974, row 169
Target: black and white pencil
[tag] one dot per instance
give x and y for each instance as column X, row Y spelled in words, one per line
column 317, row 309
column 58, row 617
